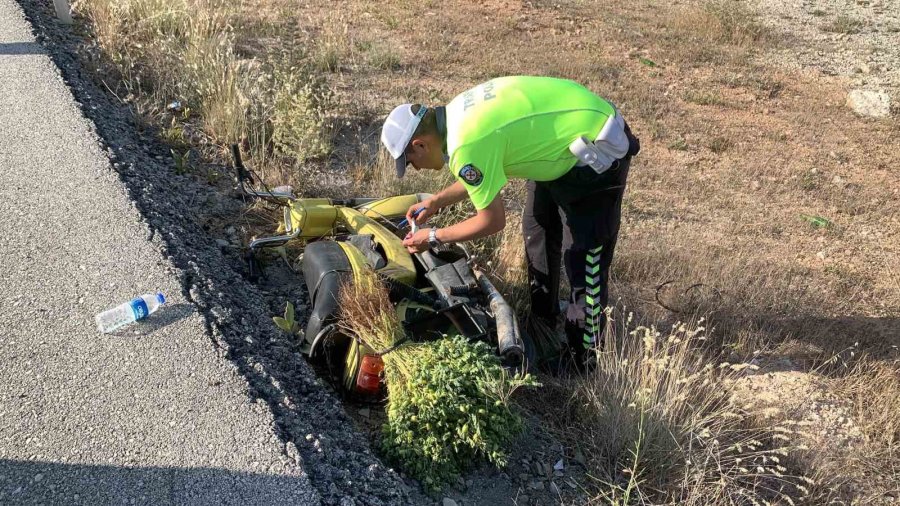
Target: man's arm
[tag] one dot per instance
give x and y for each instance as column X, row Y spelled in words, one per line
column 450, row 195
column 489, row 220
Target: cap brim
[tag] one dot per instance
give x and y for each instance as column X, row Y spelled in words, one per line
column 401, row 165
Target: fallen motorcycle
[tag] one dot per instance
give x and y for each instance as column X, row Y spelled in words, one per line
column 436, row 293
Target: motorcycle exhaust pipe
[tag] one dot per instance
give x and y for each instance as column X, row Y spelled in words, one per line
column 509, row 341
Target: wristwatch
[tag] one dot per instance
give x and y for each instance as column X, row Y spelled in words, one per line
column 433, row 241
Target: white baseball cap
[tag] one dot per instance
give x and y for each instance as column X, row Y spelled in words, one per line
column 398, row 130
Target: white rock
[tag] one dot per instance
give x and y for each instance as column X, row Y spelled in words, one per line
column 448, row 502
column 872, row 104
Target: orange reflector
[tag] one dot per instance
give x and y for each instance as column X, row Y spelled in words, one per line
column 368, row 381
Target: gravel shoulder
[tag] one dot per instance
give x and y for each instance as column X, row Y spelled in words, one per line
column 206, row 402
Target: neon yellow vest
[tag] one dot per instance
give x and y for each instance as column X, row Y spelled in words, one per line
column 518, row 127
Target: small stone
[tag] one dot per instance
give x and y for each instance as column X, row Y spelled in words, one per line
column 869, row 103
column 230, row 230
column 837, row 180
column 522, row 499
column 38, row 477
column 754, row 185
column 820, row 255
column 524, row 476
column 222, row 243
column 536, row 485
column 448, row 502
column 364, row 412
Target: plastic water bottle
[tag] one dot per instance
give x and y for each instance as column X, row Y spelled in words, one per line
column 123, row 314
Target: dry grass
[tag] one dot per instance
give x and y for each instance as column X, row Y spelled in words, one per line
column 658, row 427
column 871, row 386
column 843, row 24
column 188, row 51
column 735, row 153
column 366, row 313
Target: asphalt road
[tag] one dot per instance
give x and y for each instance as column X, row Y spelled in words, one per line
column 149, row 415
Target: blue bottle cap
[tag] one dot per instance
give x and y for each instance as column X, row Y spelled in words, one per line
column 160, row 298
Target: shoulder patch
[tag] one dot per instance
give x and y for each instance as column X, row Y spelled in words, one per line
column 471, row 175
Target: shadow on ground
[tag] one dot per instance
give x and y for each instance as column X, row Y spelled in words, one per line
column 20, row 48
column 167, row 315
column 37, row 482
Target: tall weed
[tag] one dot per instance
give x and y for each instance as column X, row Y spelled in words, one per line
column 658, row 424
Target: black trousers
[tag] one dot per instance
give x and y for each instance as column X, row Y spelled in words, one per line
column 575, row 218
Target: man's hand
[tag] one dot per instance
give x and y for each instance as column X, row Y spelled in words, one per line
column 418, row 242
column 425, row 210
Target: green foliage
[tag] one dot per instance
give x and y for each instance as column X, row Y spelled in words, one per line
column 453, row 410
column 288, row 323
column 300, row 124
column 182, row 161
column 173, row 135
column 817, row 221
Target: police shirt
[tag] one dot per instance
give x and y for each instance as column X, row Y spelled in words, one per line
column 518, row 127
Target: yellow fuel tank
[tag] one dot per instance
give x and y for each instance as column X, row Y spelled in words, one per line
column 314, row 217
